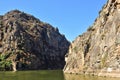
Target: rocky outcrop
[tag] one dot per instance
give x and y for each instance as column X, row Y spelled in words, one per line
column 97, row 51
column 28, row 43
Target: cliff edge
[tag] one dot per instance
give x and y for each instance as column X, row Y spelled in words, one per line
column 97, row 51
column 26, row 43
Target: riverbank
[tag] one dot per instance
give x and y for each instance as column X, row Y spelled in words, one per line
column 102, row 73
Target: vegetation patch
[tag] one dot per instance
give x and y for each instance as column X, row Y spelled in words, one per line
column 4, row 63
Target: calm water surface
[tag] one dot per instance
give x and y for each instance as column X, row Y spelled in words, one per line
column 47, row 75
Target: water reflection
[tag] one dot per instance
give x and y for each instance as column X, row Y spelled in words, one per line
column 32, row 75
column 47, row 75
column 83, row 77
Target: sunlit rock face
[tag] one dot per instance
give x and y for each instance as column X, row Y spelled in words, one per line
column 98, row 49
column 28, row 43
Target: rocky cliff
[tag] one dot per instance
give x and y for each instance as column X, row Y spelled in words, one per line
column 27, row 43
column 97, row 51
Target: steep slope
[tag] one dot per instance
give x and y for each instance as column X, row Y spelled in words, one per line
column 27, row 43
column 97, row 51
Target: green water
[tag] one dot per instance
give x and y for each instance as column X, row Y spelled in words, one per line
column 47, row 75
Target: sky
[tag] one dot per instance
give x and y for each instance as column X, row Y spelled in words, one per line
column 71, row 17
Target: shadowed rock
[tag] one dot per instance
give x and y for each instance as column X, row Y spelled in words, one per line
column 31, row 44
column 98, row 50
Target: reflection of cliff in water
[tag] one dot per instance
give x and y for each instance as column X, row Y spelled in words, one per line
column 83, row 77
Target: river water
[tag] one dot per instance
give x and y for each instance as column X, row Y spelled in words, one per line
column 47, row 75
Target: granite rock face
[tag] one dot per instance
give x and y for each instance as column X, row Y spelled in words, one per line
column 27, row 43
column 97, row 50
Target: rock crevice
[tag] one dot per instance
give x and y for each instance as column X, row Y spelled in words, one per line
column 97, row 50
column 30, row 43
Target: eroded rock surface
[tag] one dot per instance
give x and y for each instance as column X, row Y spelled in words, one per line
column 28, row 43
column 98, row 50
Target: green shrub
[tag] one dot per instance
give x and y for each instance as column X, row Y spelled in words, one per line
column 4, row 63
